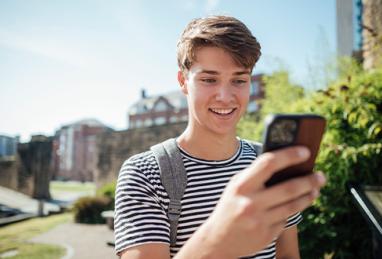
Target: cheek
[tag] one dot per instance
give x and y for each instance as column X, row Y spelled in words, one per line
column 243, row 95
column 199, row 94
column 246, row 98
column 193, row 97
column 199, row 99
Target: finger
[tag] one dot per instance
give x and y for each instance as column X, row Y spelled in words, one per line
column 282, row 212
column 290, row 190
column 268, row 163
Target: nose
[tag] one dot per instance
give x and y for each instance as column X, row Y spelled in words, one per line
column 224, row 94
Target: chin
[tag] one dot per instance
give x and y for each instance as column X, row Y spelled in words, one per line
column 223, row 131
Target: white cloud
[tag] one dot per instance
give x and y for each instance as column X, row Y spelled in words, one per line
column 206, row 5
column 189, row 5
column 211, row 5
column 45, row 46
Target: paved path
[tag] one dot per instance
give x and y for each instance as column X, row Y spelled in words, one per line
column 81, row 240
column 23, row 202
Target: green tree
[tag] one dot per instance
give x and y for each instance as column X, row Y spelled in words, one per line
column 279, row 95
column 350, row 151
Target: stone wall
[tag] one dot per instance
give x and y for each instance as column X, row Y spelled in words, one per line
column 8, row 173
column 36, row 162
column 372, row 33
column 31, row 169
column 115, row 147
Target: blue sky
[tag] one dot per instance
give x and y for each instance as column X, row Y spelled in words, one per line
column 62, row 61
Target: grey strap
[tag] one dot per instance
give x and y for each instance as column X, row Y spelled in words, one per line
column 174, row 180
column 257, row 146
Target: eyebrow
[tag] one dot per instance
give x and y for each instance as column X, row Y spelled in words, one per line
column 213, row 72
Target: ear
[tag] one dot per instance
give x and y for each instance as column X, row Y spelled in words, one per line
column 182, row 82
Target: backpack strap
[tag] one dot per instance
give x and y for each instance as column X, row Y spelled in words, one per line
column 257, row 146
column 174, row 179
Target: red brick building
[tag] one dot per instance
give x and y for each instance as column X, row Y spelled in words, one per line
column 257, row 93
column 74, row 150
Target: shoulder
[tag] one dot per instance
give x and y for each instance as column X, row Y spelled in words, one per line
column 140, row 158
column 140, row 215
column 251, row 146
column 139, row 161
column 142, row 166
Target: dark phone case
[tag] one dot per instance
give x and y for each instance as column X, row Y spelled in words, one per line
column 310, row 129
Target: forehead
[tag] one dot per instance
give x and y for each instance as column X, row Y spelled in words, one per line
column 215, row 59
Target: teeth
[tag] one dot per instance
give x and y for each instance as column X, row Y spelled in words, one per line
column 222, row 111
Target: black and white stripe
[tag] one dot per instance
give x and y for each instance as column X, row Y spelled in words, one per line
column 141, row 201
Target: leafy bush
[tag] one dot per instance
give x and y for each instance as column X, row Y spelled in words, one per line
column 350, row 151
column 107, row 190
column 88, row 209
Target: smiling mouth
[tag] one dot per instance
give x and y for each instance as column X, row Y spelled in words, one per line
column 223, row 112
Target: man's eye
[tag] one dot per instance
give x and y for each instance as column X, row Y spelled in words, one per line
column 208, row 80
column 240, row 81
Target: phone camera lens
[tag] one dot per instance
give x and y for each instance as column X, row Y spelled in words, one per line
column 283, row 132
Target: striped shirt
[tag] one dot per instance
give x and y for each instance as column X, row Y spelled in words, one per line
column 141, row 200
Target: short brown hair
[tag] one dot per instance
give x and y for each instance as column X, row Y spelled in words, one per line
column 224, row 32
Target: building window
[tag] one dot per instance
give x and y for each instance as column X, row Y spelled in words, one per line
column 160, row 120
column 173, row 119
column 161, row 106
column 148, row 122
column 252, row 106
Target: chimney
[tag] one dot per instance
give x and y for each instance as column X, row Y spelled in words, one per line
column 143, row 93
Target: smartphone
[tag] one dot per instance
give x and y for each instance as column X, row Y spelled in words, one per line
column 286, row 130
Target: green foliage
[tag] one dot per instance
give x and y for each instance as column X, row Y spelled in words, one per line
column 107, row 190
column 88, row 209
column 279, row 95
column 350, row 151
column 250, row 127
column 74, row 187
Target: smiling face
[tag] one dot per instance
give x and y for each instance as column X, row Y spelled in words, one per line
column 217, row 91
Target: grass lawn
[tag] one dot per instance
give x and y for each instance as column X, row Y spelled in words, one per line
column 16, row 236
column 72, row 187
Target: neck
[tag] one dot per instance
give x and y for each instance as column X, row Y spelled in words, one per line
column 208, row 146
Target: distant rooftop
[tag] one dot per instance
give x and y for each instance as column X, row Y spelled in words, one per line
column 88, row 122
column 176, row 98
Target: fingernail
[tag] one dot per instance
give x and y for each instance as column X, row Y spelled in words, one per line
column 320, row 178
column 303, row 152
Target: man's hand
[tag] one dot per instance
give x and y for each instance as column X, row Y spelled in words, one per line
column 249, row 216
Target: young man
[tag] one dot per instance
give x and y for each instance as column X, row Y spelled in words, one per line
column 226, row 210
